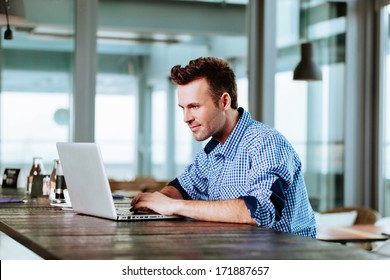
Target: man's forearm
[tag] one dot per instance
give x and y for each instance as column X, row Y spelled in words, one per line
column 232, row 211
column 169, row 201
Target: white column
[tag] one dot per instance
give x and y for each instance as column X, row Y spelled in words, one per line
column 262, row 59
column 83, row 126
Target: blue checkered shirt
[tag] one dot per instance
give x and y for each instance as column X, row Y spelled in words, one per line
column 256, row 164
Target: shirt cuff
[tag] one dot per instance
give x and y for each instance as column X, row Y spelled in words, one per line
column 251, row 204
column 176, row 184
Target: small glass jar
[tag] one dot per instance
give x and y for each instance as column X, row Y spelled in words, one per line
column 37, row 168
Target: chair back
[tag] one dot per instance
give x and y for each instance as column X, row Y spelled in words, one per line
column 365, row 215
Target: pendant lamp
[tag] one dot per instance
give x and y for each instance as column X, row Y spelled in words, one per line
column 307, row 69
column 11, row 14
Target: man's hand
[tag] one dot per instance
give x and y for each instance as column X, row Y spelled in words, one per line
column 156, row 202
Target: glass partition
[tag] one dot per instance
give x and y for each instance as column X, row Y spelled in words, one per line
column 384, row 153
column 137, row 121
column 310, row 114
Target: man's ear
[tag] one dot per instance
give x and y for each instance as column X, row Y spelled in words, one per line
column 225, row 100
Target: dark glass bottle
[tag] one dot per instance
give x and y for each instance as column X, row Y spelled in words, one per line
column 60, row 184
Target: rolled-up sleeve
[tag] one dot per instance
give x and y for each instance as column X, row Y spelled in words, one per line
column 272, row 170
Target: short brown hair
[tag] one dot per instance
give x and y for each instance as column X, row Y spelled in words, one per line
column 216, row 71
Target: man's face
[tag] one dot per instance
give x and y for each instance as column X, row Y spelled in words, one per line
column 201, row 114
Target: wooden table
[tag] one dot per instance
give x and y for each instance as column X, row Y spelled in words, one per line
column 354, row 234
column 53, row 233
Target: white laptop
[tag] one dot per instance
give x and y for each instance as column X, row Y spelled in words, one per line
column 88, row 185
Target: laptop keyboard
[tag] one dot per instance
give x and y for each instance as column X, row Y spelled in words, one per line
column 123, row 211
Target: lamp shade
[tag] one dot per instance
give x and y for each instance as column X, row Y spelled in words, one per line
column 16, row 13
column 306, row 69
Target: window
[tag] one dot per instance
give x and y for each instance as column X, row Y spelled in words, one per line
column 36, row 89
column 384, row 146
column 310, row 114
column 159, row 134
column 115, row 123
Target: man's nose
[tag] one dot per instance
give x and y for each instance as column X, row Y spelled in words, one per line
column 187, row 116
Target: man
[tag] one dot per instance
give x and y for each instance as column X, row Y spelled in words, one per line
column 247, row 173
